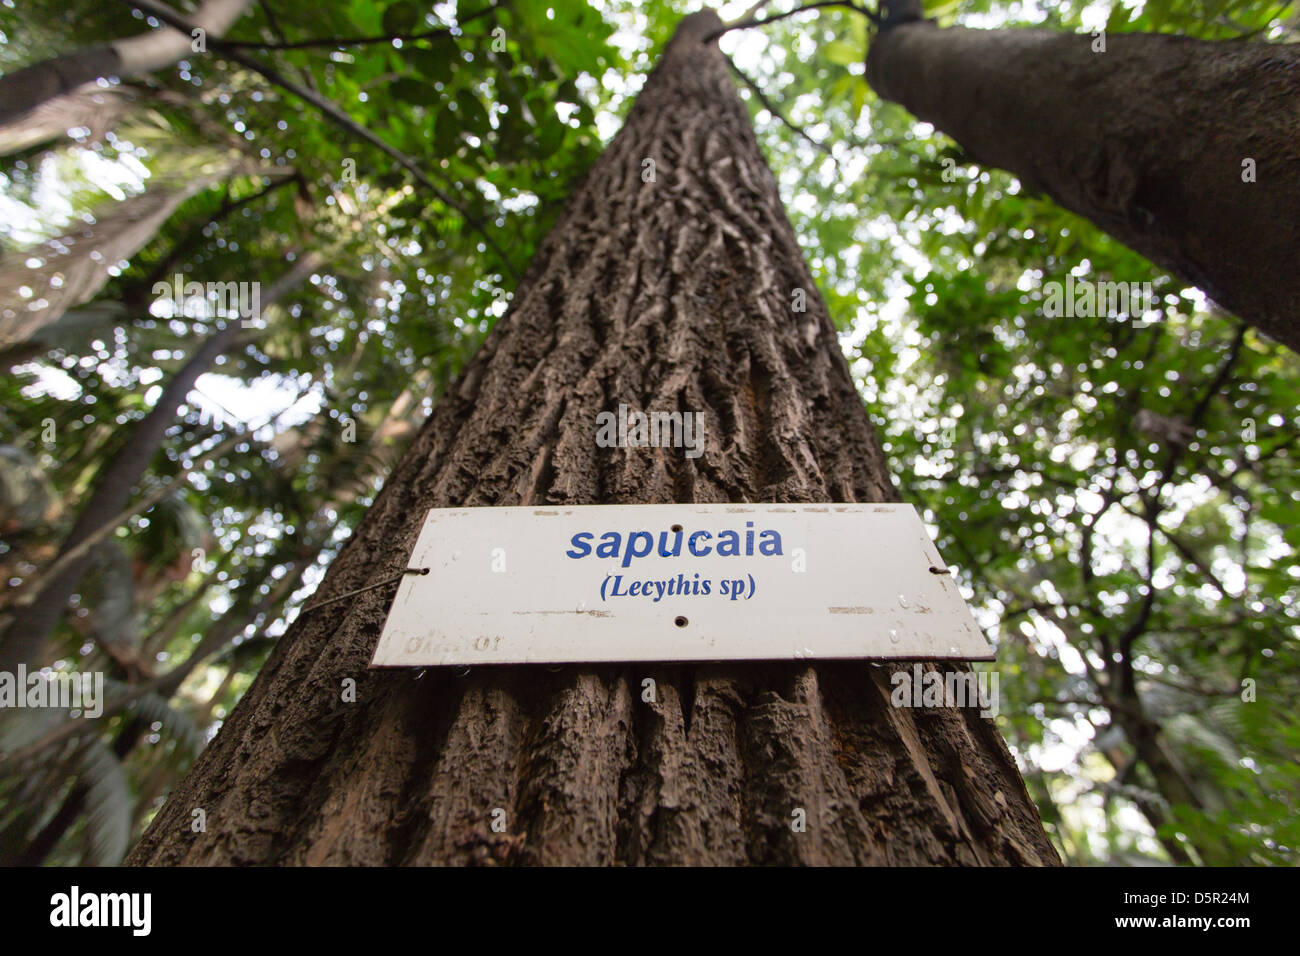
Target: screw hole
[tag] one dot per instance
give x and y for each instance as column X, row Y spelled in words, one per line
column 677, row 527
column 680, row 621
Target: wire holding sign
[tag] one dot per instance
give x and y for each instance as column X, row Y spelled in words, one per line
column 676, row 583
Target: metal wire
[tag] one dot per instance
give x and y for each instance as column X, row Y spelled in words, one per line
column 368, row 587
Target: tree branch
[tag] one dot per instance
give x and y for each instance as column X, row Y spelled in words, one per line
column 330, row 42
column 768, row 105
column 763, row 21
column 1128, row 685
column 272, row 20
column 1186, row 551
column 753, row 11
column 1202, row 406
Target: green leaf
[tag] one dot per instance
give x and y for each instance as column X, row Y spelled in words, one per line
column 446, row 132
column 550, row 136
column 400, row 18
column 860, row 91
column 108, row 802
column 473, row 117
column 437, row 62
column 415, row 92
column 844, row 54
column 512, row 137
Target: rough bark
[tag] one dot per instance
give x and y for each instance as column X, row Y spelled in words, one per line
column 27, row 89
column 1147, row 140
column 672, row 294
column 31, row 623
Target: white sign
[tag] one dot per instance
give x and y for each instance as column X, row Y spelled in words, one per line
column 676, row 583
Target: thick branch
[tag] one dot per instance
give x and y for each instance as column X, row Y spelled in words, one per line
column 1132, row 137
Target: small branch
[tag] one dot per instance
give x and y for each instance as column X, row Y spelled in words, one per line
column 753, row 11
column 1139, row 625
column 331, row 42
column 165, row 684
column 356, row 129
column 1074, row 702
column 1187, row 552
column 768, row 105
column 166, row 262
column 1036, row 607
column 1203, row 405
column 1189, row 689
column 758, row 22
column 272, row 20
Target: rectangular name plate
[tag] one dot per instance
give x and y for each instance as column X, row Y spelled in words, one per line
column 676, row 583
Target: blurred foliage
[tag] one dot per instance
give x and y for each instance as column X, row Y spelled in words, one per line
column 1119, row 497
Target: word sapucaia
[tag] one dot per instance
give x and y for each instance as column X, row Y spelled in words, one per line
column 243, row 299
column 640, row 544
column 47, row 688
column 636, row 429
column 102, row 909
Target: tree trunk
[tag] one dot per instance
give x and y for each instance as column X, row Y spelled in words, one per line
column 670, row 294
column 1149, row 140
column 22, row 91
column 24, row 638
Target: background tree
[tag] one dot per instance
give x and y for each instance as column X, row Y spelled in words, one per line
column 1183, row 149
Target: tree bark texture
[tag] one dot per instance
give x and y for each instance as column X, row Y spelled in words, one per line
column 666, row 294
column 1147, row 140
